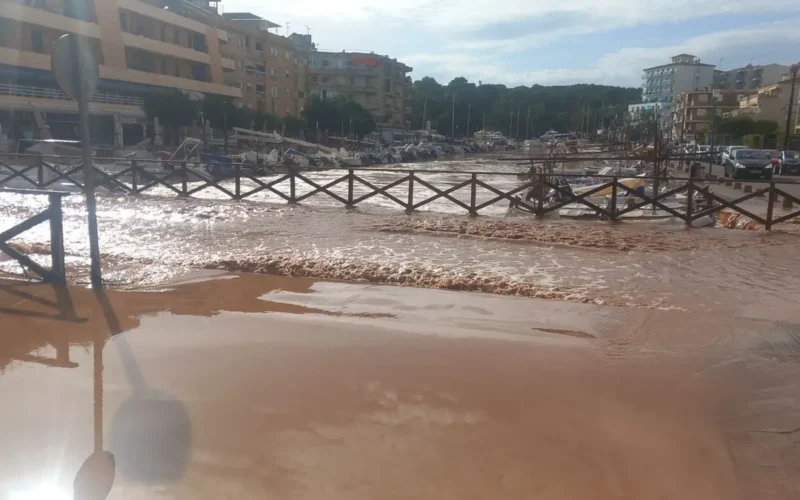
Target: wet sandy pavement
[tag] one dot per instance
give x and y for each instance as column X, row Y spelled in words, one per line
column 254, row 387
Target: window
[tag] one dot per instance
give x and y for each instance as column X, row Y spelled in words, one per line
column 240, row 63
column 123, row 20
column 287, row 74
column 238, row 84
column 274, row 51
column 176, row 36
column 287, row 110
column 301, row 94
column 288, row 93
column 288, row 55
column 163, row 33
column 275, row 92
column 37, row 40
column 163, row 65
column 325, row 63
column 701, row 112
column 324, row 79
column 273, row 71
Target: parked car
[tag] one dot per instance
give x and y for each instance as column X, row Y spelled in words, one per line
column 726, row 153
column 745, row 162
column 790, row 162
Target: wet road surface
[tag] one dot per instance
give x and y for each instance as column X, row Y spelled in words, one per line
column 254, row 387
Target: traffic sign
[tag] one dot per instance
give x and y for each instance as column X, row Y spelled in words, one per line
column 75, row 66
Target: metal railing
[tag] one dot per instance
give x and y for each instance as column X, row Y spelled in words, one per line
column 53, row 215
column 185, row 179
column 55, row 94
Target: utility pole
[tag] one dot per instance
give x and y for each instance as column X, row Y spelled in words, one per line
column 516, row 136
column 510, row 122
column 483, row 127
column 787, row 133
column 715, row 95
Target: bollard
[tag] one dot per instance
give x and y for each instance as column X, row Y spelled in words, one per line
column 737, row 185
column 748, row 188
column 728, row 182
column 787, row 203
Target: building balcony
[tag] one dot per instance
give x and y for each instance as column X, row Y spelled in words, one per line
column 159, row 47
column 47, row 19
column 228, row 64
column 164, row 15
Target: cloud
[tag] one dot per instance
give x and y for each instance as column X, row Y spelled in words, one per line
column 622, row 67
column 497, row 40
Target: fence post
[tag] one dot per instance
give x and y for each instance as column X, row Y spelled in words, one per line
column 40, row 172
column 540, row 195
column 57, row 238
column 135, row 176
column 237, row 173
column 770, row 204
column 292, row 187
column 689, row 201
column 473, row 195
column 350, row 179
column 410, row 205
column 614, row 199
column 184, row 179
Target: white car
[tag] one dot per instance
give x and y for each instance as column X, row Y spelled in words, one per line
column 726, row 153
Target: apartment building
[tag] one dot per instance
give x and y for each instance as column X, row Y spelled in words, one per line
column 270, row 71
column 751, row 77
column 376, row 82
column 769, row 102
column 664, row 83
column 693, row 112
column 143, row 46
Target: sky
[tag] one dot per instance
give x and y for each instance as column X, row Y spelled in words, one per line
column 526, row 42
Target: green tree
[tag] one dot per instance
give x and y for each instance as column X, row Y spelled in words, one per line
column 740, row 126
column 293, row 125
column 337, row 113
column 173, row 109
column 560, row 107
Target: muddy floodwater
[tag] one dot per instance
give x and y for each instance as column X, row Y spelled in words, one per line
column 255, row 349
column 150, row 240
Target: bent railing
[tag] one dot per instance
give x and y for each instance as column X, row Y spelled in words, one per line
column 53, row 215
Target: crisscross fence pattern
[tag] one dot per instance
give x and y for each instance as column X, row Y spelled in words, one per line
column 412, row 189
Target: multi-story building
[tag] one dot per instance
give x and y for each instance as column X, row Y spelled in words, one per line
column 751, row 77
column 271, row 73
column 662, row 84
column 769, row 102
column 683, row 73
column 141, row 46
column 694, row 110
column 376, row 82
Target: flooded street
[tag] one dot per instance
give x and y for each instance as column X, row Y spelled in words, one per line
column 150, row 240
column 612, row 361
column 255, row 386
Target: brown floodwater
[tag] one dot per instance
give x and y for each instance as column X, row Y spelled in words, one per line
column 149, row 240
column 251, row 387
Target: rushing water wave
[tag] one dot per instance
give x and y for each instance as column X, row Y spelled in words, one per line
column 153, row 239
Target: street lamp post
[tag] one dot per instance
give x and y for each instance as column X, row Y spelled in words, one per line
column 716, row 95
